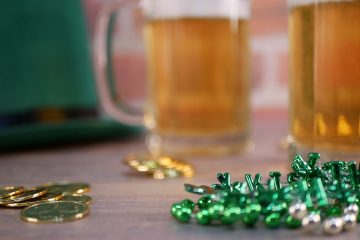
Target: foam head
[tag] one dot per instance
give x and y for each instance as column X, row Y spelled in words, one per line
column 164, row 9
column 295, row 3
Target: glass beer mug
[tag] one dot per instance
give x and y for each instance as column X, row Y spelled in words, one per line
column 197, row 60
column 325, row 77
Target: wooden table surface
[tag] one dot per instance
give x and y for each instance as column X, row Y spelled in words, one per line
column 129, row 206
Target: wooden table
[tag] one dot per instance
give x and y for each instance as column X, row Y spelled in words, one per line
column 129, row 206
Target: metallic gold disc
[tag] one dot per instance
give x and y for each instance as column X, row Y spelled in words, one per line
column 77, row 198
column 159, row 167
column 67, row 187
column 55, row 212
column 49, row 197
column 30, row 193
column 6, row 192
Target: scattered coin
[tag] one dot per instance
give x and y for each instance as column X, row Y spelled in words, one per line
column 46, row 198
column 10, row 191
column 159, row 167
column 67, row 187
column 77, row 198
column 55, row 212
column 45, row 203
column 31, row 193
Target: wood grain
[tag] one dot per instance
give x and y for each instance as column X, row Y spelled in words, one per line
column 128, row 206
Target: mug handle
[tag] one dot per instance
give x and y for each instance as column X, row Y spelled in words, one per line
column 103, row 66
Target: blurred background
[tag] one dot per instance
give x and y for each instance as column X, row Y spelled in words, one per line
column 47, row 85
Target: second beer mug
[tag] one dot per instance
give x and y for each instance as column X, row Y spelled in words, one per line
column 198, row 75
column 325, row 76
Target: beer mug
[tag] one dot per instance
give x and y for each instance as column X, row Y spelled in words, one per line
column 197, row 60
column 325, row 76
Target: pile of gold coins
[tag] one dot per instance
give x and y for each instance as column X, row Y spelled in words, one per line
column 48, row 203
column 159, row 167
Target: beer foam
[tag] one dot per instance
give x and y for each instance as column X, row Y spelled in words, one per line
column 155, row 9
column 295, row 3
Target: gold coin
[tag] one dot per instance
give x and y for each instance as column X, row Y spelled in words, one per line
column 165, row 161
column 31, row 193
column 144, row 163
column 159, row 175
column 159, row 167
column 67, row 187
column 10, row 191
column 46, row 198
column 51, row 197
column 55, row 212
column 77, row 198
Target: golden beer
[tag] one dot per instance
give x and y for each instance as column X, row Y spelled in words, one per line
column 325, row 75
column 197, row 60
column 198, row 72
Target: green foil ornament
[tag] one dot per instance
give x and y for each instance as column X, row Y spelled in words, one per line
column 315, row 194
